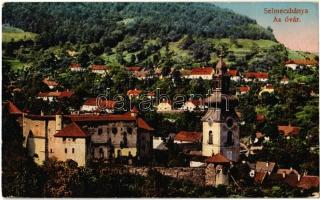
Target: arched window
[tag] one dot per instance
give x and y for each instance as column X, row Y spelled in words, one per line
column 210, row 141
column 101, row 152
column 229, row 138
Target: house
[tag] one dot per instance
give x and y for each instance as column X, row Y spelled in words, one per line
column 188, row 137
column 284, row 80
column 192, row 105
column 100, row 69
column 300, row 63
column 202, row 72
column 133, row 69
column 185, row 73
column 308, row 182
column 91, row 105
column 134, row 93
column 151, row 95
column 267, row 88
column 50, row 96
column 220, row 165
column 262, row 170
column 83, row 138
column 256, row 76
column 50, row 83
column 289, row 131
column 76, row 67
column 234, row 75
column 243, row 89
column 142, row 74
column 164, row 106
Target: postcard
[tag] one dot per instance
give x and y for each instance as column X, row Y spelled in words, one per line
column 160, row 99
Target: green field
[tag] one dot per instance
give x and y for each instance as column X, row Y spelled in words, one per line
column 15, row 34
column 14, row 63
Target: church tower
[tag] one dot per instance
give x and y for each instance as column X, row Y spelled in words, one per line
column 220, row 129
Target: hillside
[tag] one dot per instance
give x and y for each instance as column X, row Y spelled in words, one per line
column 14, row 34
column 110, row 23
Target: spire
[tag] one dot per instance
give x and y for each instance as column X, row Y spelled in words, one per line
column 221, row 67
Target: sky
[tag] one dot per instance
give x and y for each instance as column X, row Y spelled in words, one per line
column 303, row 35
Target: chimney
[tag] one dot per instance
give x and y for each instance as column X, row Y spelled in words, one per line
column 283, row 174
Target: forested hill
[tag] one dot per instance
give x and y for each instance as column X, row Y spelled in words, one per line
column 109, row 23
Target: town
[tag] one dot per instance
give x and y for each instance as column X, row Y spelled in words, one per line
column 114, row 105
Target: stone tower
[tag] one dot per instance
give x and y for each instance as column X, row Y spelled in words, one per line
column 220, row 125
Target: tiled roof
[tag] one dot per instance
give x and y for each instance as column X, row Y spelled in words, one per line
column 302, row 62
column 72, row 130
column 56, row 94
column 50, row 82
column 142, row 124
column 289, row 130
column 259, row 177
column 99, row 67
column 202, row 71
column 75, row 65
column 218, row 158
column 257, row 75
column 265, row 166
column 151, row 94
column 188, row 136
column 244, row 88
column 308, row 182
column 103, row 103
column 13, row 109
column 107, row 117
column 133, row 69
column 134, row 92
column 233, row 72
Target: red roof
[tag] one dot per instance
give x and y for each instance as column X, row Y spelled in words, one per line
column 133, row 69
column 289, row 130
column 308, row 182
column 188, row 136
column 257, row 75
column 72, row 130
column 202, row 71
column 75, row 65
column 103, row 103
column 218, row 158
column 233, row 72
column 142, row 124
column 134, row 109
column 50, row 82
column 302, row 62
column 134, row 92
column 13, row 109
column 151, row 94
column 260, row 176
column 244, row 88
column 57, row 94
column 100, row 67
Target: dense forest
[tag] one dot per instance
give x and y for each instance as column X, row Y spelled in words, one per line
column 109, row 23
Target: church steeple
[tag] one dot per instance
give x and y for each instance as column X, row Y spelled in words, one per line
column 221, row 79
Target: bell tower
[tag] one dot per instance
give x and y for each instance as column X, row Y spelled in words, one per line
column 220, row 129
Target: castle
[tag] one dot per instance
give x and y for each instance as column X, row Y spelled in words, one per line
column 86, row 137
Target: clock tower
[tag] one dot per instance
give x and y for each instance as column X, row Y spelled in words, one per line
column 220, row 129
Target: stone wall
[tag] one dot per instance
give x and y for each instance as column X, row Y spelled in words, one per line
column 200, row 175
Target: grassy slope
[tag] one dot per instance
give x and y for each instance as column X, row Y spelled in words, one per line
column 11, row 33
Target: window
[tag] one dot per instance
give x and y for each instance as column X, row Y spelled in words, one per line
column 101, row 152
column 229, row 139
column 229, row 122
column 114, row 130
column 72, row 150
column 210, row 141
column 64, row 139
column 65, row 150
column 129, row 130
column 100, row 131
column 51, row 151
column 74, row 139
